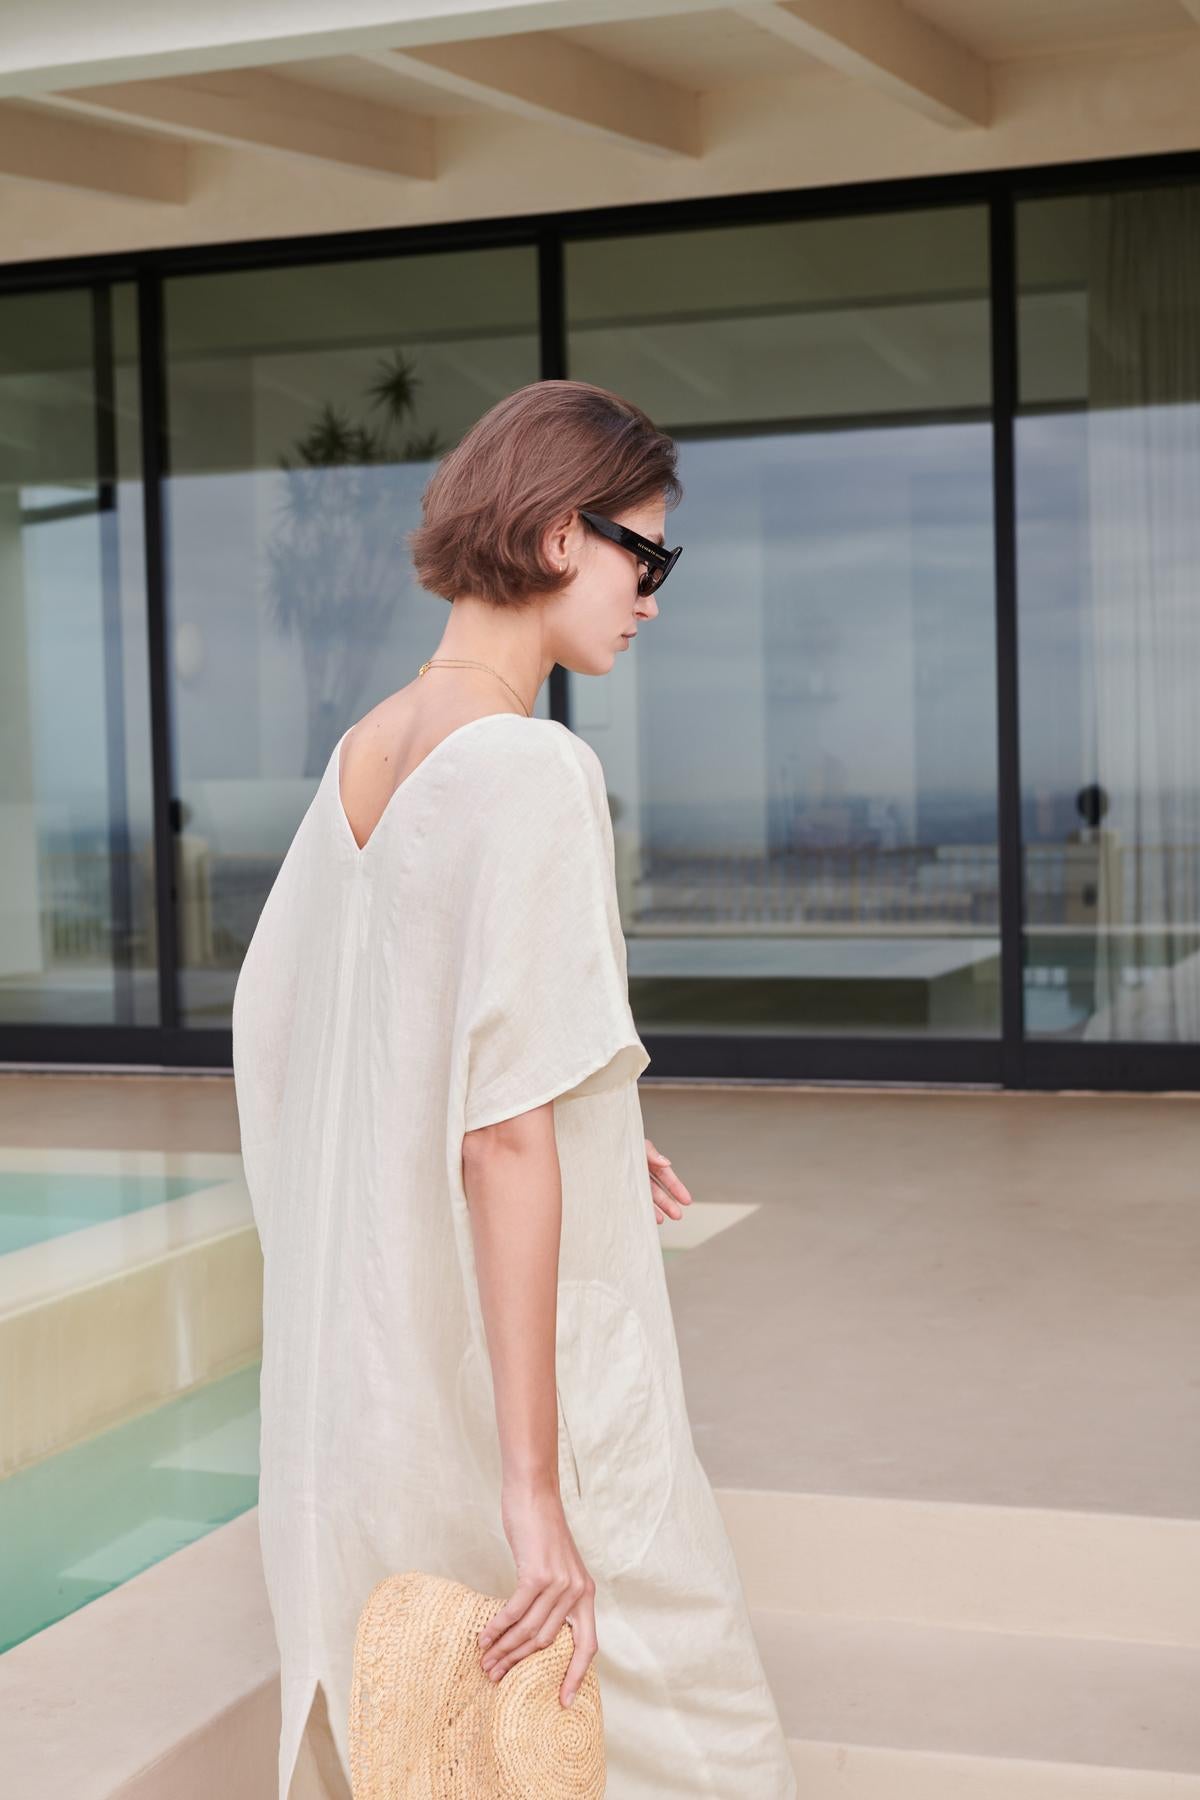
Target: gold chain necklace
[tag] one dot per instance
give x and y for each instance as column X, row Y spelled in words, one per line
column 463, row 662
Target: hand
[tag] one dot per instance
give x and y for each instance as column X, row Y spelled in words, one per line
column 671, row 1196
column 552, row 1583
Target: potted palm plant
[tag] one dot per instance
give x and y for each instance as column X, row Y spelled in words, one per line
column 337, row 563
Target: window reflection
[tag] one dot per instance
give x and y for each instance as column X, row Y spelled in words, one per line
column 308, row 408
column 1109, row 541
column 801, row 749
column 77, row 938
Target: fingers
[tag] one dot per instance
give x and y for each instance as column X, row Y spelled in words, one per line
column 583, row 1630
column 522, row 1635
column 512, row 1610
column 516, row 1620
column 665, row 1202
column 670, row 1188
column 537, row 1627
column 672, row 1195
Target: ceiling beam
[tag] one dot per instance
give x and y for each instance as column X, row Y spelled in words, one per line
column 66, row 153
column 253, row 109
column 543, row 77
column 880, row 42
column 76, row 43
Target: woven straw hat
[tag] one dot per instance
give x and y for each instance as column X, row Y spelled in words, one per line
column 426, row 1723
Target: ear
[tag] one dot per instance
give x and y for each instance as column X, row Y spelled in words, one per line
column 557, row 541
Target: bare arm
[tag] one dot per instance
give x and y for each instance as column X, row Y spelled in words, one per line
column 513, row 1187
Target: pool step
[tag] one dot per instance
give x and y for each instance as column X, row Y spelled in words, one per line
column 884, row 1709
column 109, row 1320
column 167, row 1688
column 917, row 1651
column 1048, row 1571
column 937, row 1651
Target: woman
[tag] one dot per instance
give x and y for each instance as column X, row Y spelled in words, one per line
column 469, row 1361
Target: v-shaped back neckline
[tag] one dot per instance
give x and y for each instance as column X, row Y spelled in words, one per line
column 360, row 850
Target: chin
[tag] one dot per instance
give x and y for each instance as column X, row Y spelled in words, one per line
column 598, row 662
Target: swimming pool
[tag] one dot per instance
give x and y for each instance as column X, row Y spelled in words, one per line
column 39, row 1204
column 78, row 1524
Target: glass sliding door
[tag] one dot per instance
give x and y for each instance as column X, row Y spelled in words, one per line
column 77, row 919
column 1108, row 514
column 801, row 748
column 307, row 408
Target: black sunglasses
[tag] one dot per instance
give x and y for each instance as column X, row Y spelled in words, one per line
column 658, row 559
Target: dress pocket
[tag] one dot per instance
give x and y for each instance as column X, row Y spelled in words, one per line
column 568, row 1463
column 617, row 1424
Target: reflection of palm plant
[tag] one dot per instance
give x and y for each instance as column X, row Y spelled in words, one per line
column 337, row 558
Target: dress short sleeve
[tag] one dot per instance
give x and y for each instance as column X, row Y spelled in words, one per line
column 549, row 1008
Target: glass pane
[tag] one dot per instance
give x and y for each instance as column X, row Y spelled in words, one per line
column 307, row 408
column 801, row 748
column 77, row 938
column 1108, row 473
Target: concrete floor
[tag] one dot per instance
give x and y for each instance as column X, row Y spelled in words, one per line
column 940, row 1350
column 980, row 1297
column 935, row 1295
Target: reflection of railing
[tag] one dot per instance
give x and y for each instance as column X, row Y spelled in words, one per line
column 939, row 886
column 218, row 899
column 943, row 887
column 219, row 902
column 75, row 888
column 1063, row 882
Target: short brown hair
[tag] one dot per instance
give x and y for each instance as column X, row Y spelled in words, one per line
column 545, row 450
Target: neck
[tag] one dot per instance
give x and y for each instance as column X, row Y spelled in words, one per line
column 508, row 642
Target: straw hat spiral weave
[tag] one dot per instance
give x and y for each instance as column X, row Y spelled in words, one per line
column 426, row 1723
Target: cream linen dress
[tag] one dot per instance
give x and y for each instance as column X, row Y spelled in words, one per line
column 465, row 965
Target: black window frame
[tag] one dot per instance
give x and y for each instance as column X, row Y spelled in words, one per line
column 1010, row 1060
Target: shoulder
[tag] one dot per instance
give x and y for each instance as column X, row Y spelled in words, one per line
column 579, row 750
column 537, row 766
column 539, row 747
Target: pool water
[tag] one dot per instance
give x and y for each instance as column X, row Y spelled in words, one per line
column 39, row 1204
column 80, row 1523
